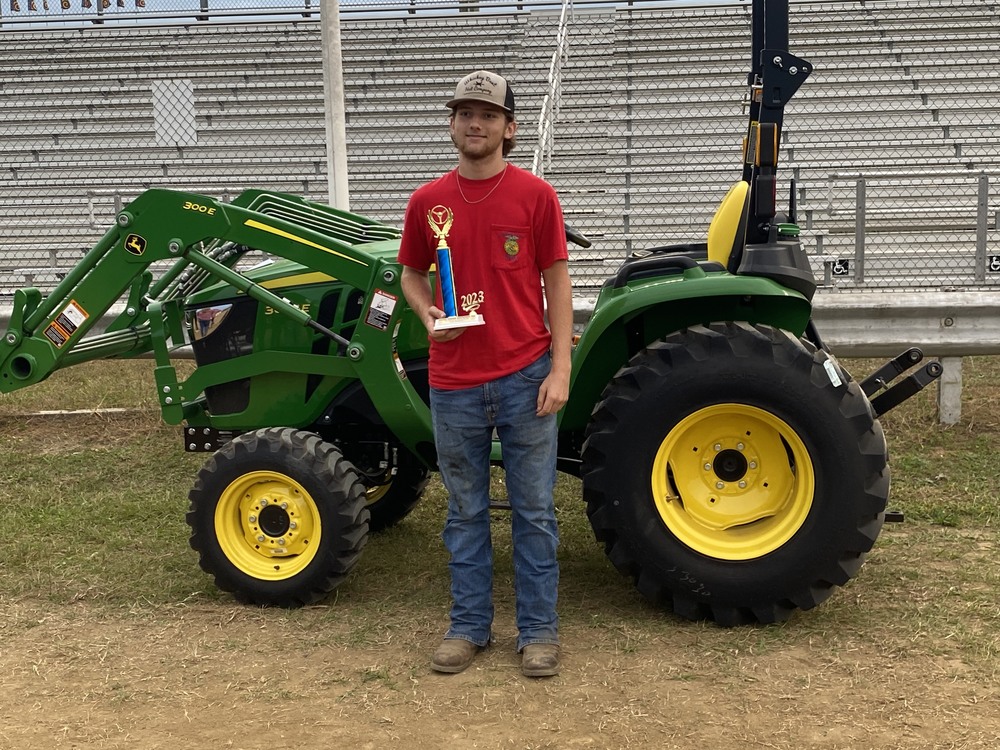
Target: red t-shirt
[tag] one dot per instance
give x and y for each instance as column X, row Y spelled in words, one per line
column 499, row 247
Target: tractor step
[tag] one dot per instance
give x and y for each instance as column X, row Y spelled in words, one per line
column 894, row 516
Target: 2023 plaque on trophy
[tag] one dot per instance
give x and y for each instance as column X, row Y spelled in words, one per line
column 440, row 219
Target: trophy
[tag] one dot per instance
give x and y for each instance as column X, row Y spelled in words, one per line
column 440, row 220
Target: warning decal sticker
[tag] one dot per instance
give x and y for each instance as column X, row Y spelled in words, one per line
column 71, row 317
column 380, row 310
column 66, row 323
column 395, row 353
column 56, row 335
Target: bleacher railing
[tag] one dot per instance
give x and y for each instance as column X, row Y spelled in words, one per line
column 100, row 12
column 216, row 96
column 942, row 225
column 549, row 114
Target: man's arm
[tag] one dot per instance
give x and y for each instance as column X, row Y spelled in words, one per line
column 417, row 290
column 554, row 391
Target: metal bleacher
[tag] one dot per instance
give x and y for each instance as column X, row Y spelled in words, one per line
column 925, row 71
column 904, row 102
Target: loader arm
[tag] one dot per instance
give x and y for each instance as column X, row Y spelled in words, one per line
column 187, row 238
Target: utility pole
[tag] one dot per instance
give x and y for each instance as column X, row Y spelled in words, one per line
column 334, row 104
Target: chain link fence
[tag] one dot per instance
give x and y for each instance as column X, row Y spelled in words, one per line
column 893, row 143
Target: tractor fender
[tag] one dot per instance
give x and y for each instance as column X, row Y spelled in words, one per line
column 629, row 317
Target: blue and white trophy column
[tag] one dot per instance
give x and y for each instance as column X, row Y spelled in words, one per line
column 440, row 220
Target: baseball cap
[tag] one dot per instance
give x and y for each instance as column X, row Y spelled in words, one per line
column 484, row 86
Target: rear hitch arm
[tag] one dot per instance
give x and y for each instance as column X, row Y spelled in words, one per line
column 892, row 396
column 886, row 373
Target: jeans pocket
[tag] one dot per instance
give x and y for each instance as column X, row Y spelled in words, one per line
column 537, row 371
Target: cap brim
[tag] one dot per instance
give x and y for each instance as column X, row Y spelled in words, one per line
column 455, row 102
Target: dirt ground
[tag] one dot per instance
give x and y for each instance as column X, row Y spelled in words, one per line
column 225, row 676
column 205, row 673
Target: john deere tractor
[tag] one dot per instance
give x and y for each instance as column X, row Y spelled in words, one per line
column 731, row 467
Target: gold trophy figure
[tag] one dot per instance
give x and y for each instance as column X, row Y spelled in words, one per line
column 440, row 219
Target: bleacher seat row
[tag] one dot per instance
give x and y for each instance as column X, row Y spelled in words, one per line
column 647, row 139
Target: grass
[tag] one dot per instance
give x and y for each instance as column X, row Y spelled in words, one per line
column 95, row 513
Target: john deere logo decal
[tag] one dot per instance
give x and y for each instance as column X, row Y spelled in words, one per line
column 135, row 244
column 510, row 246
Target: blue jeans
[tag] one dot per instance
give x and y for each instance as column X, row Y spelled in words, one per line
column 464, row 421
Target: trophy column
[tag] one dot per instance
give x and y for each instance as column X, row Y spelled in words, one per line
column 440, row 219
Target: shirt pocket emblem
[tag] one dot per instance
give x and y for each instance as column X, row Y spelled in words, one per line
column 511, row 246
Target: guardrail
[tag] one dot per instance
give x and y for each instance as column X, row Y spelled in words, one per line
column 947, row 325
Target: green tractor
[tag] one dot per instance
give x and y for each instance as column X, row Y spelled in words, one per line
column 730, row 465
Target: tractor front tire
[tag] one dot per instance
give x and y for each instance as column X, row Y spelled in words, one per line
column 736, row 473
column 394, row 492
column 278, row 517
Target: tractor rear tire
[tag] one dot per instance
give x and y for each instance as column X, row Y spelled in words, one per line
column 736, row 473
column 278, row 517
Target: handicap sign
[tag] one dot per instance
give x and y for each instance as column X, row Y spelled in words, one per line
column 842, row 267
column 993, row 264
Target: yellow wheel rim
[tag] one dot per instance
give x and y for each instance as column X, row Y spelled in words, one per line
column 733, row 482
column 268, row 525
column 376, row 492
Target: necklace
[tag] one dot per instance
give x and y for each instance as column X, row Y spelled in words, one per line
column 492, row 189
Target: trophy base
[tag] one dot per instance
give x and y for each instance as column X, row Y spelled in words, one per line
column 459, row 321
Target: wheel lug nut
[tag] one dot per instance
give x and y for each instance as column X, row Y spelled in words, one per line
column 284, row 506
column 293, row 525
column 720, row 486
column 740, row 446
column 263, row 502
column 708, row 467
column 281, row 542
column 260, row 537
column 253, row 519
column 753, row 464
column 718, row 447
column 743, row 485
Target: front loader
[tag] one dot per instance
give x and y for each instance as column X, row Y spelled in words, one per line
column 730, row 465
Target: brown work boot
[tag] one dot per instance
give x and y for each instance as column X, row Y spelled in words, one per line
column 540, row 660
column 454, row 655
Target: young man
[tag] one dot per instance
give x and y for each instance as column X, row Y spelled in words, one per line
column 505, row 230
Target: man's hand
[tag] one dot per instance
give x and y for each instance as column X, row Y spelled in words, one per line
column 417, row 290
column 433, row 313
column 553, row 393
